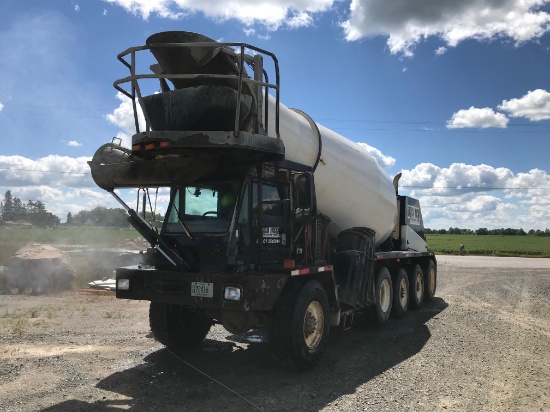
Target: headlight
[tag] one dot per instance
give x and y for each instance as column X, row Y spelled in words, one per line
column 123, row 284
column 232, row 293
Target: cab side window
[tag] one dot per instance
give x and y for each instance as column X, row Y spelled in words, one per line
column 272, row 213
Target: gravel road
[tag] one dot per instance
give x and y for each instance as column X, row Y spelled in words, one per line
column 482, row 345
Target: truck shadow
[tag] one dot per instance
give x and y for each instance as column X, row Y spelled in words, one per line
column 167, row 382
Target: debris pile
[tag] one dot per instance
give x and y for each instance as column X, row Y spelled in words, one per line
column 36, row 269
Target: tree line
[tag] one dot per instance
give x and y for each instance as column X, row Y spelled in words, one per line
column 104, row 217
column 485, row 232
column 12, row 209
column 99, row 216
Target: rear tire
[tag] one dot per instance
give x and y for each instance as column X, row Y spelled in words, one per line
column 430, row 280
column 416, row 287
column 383, row 297
column 401, row 294
column 175, row 326
column 299, row 326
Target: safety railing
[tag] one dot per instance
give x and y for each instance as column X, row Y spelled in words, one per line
column 260, row 80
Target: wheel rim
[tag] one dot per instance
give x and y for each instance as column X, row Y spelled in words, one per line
column 314, row 325
column 419, row 287
column 403, row 293
column 385, row 295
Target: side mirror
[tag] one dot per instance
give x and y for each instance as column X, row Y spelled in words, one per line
column 304, row 198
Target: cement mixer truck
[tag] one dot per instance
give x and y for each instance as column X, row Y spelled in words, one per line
column 273, row 221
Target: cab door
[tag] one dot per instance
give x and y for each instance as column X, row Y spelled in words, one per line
column 270, row 218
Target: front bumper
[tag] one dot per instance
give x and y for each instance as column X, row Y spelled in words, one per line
column 259, row 290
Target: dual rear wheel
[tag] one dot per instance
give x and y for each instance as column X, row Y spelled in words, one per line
column 406, row 289
column 383, row 297
column 416, row 287
column 401, row 294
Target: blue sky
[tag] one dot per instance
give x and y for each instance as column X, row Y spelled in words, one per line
column 455, row 94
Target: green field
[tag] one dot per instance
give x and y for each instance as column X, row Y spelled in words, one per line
column 491, row 245
column 12, row 239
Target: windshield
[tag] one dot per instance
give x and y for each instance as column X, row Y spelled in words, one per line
column 204, row 208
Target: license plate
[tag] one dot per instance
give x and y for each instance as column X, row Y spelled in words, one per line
column 202, row 290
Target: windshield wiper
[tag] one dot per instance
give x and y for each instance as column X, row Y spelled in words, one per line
column 185, row 228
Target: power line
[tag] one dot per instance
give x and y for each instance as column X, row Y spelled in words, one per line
column 417, row 122
column 474, row 188
column 445, row 130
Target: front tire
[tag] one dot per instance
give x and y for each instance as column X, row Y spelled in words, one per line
column 175, row 326
column 299, row 326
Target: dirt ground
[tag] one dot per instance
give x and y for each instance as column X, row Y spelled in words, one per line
column 482, row 345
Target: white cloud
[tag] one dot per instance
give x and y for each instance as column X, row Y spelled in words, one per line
column 300, row 19
column 459, row 176
column 440, row 51
column 483, row 203
column 1, row 107
column 384, row 161
column 408, row 22
column 145, row 8
column 475, row 211
column 474, row 117
column 123, row 115
column 77, row 8
column 270, row 13
column 249, row 31
column 474, row 196
column 63, row 183
column 535, row 105
column 52, row 171
column 74, row 143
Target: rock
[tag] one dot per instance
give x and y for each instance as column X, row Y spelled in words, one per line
column 38, row 269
